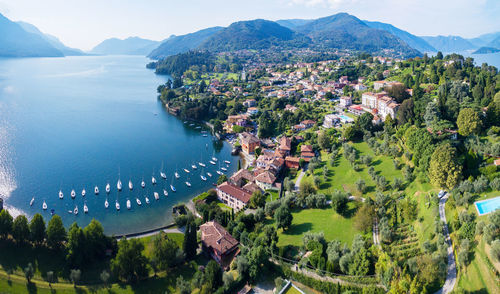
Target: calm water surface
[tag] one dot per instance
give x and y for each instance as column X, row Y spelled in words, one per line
column 76, row 122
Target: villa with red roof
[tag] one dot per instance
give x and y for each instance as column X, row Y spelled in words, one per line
column 218, row 243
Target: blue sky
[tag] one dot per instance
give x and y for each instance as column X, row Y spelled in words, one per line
column 85, row 23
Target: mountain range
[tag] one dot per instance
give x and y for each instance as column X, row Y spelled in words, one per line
column 128, row 46
column 339, row 31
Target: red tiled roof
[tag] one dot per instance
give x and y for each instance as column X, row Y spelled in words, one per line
column 266, row 177
column 292, row 159
column 242, row 174
column 306, row 148
column 285, row 143
column 235, row 192
column 215, row 236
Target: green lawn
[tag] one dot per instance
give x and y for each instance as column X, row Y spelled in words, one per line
column 343, row 176
column 332, row 224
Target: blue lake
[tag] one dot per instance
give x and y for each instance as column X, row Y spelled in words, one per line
column 76, row 122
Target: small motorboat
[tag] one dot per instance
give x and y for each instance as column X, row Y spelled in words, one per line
column 214, row 159
column 130, row 185
column 106, row 203
column 32, row 201
column 61, row 195
column 163, row 175
column 172, row 188
column 96, row 190
column 73, row 194
column 147, row 199
column 138, row 201
column 205, row 135
column 209, row 174
column 70, row 211
column 129, row 204
column 219, row 172
column 203, row 178
column 157, row 196
column 177, row 175
column 83, row 193
column 227, row 161
column 212, row 162
column 85, row 208
column 153, row 180
column 165, row 192
column 52, row 211
column 201, row 164
column 44, row 205
column 188, row 184
column 194, row 166
column 75, row 211
column 143, row 184
column 187, row 171
column 117, row 205
column 119, row 185
column 223, row 168
column 108, row 188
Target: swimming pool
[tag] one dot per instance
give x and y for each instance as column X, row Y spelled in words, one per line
column 345, row 118
column 487, row 206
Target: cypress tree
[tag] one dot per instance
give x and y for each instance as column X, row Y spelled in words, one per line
column 190, row 243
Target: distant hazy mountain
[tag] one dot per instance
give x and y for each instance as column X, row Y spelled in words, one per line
column 129, row 46
column 486, row 50
column 293, row 23
column 54, row 41
column 495, row 43
column 184, row 43
column 253, row 34
column 449, row 43
column 412, row 40
column 484, row 39
column 345, row 31
column 16, row 42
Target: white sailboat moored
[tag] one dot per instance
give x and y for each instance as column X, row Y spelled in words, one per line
column 117, row 205
column 73, row 194
column 44, row 205
column 147, row 199
column 85, row 208
column 138, row 201
column 75, row 211
column 157, row 196
column 96, row 190
column 32, row 201
column 165, row 192
column 83, row 192
column 186, row 170
column 106, row 203
column 130, row 185
column 129, row 204
column 108, row 188
column 61, row 195
column 209, row 174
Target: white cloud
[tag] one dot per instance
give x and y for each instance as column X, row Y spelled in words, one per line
column 8, row 89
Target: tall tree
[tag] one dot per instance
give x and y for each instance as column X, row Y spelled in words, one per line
column 444, row 170
column 56, row 233
column 5, row 224
column 468, row 122
column 190, row 243
column 37, row 229
column 165, row 251
column 76, row 246
column 95, row 239
column 283, row 217
column 21, row 229
column 130, row 262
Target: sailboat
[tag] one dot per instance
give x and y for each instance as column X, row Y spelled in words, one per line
column 32, row 201
column 227, row 161
column 201, row 162
column 212, row 162
column 44, row 205
column 172, row 186
column 223, row 168
column 108, row 188
column 73, row 194
column 143, row 184
column 157, row 196
column 147, row 199
column 219, row 172
column 177, row 175
column 165, row 192
column 75, row 211
column 129, row 205
column 209, row 174
column 162, row 174
column 117, row 205
column 193, row 166
column 85, row 208
column 61, row 195
column 214, row 158
column 119, row 183
column 130, row 185
column 203, row 177
column 153, row 180
column 83, row 192
column 138, row 201
column 96, row 190
column 186, row 170
column 106, row 203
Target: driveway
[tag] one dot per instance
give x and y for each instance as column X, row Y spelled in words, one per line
column 451, row 275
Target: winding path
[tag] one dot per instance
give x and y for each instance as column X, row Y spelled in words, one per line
column 299, row 178
column 451, row 274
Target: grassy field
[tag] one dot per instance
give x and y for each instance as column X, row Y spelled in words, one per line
column 44, row 261
column 332, row 224
column 343, row 176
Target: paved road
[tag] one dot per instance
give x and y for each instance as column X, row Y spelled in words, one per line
column 451, row 275
column 299, row 178
column 376, row 239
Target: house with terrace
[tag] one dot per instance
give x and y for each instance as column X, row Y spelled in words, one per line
column 218, row 243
